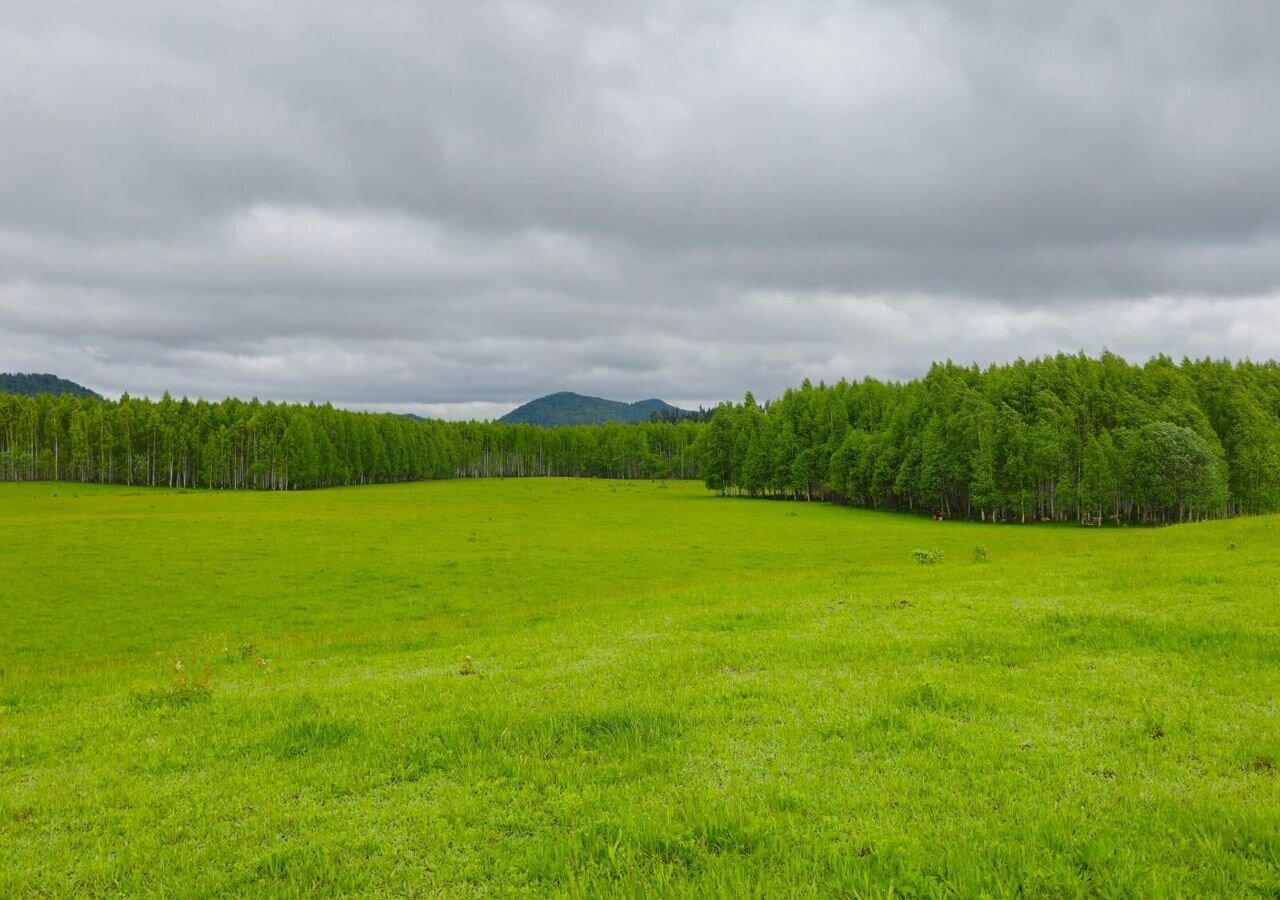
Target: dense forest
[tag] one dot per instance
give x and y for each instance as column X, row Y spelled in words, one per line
column 1059, row 438
column 280, row 446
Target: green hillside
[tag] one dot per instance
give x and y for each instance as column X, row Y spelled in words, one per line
column 31, row 384
column 567, row 408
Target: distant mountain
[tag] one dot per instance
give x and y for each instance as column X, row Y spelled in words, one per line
column 567, row 408
column 32, row 384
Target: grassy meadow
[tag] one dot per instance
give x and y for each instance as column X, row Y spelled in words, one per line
column 566, row 687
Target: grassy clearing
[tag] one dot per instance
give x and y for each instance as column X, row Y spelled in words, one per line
column 590, row 688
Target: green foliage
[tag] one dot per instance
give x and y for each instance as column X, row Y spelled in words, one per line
column 1172, row 467
column 1055, row 439
column 980, row 553
column 928, row 557
column 679, row 698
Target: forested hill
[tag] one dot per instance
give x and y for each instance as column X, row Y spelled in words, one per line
column 31, row 384
column 1060, row 438
column 568, row 408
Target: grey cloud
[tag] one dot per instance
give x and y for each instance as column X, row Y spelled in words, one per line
column 469, row 204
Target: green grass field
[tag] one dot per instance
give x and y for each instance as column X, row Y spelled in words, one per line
column 553, row 687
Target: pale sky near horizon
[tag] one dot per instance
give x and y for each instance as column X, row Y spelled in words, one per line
column 451, row 208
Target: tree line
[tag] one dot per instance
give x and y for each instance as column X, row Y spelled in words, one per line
column 282, row 446
column 1059, row 438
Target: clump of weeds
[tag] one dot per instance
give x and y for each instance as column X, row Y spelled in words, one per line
column 184, row 691
column 928, row 557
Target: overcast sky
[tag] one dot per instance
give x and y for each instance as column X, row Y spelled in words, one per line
column 455, row 207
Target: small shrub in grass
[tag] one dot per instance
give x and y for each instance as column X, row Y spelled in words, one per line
column 183, row 692
column 979, row 553
column 928, row 557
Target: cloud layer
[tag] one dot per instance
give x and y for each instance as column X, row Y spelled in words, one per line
column 453, row 208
